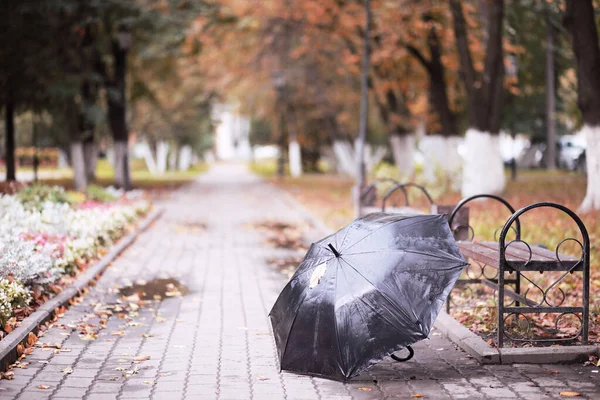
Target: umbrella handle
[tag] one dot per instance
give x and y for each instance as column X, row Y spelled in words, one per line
column 411, row 353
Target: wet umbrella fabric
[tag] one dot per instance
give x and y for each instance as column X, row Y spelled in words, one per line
column 368, row 290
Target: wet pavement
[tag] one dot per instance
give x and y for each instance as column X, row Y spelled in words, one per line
column 183, row 314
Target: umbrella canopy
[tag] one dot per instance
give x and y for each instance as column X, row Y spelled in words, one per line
column 368, row 290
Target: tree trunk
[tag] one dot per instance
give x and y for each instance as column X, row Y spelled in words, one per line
column 122, row 178
column 116, row 102
column 162, row 155
column 9, row 140
column 90, row 153
column 74, row 125
column 483, row 172
column 483, row 169
column 294, row 152
column 184, row 161
column 173, row 157
column 442, row 162
column 438, row 95
column 79, row 165
column 295, row 158
column 550, row 96
column 579, row 20
column 403, row 151
column 151, row 163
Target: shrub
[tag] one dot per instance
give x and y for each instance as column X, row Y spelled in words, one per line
column 34, row 197
column 12, row 295
column 98, row 193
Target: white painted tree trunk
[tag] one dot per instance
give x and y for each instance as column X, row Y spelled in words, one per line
column 441, row 159
column 173, row 158
column 78, row 164
column 149, row 159
column 162, row 152
column 122, row 173
column 483, row 168
column 347, row 157
column 185, row 158
column 63, row 159
column 592, row 156
column 90, row 154
column 403, row 151
column 295, row 156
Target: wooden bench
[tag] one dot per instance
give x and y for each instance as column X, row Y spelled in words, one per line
column 516, row 257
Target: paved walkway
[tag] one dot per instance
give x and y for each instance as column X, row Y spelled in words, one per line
column 215, row 342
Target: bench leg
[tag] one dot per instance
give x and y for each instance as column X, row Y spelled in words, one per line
column 518, row 288
column 500, row 307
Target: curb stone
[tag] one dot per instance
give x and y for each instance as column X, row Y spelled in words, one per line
column 486, row 354
column 8, row 345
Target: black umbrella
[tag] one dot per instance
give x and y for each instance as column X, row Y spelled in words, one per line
column 368, row 290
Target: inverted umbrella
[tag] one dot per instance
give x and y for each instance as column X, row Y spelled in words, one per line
column 368, row 290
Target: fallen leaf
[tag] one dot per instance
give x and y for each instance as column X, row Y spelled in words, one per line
column 147, row 335
column 28, row 351
column 149, row 382
column 20, row 349
column 262, row 378
column 160, row 319
column 118, row 333
column 416, row 396
column 88, row 337
column 7, row 375
column 570, row 394
column 141, row 358
column 366, row 389
column 67, row 370
column 31, row 339
column 43, row 387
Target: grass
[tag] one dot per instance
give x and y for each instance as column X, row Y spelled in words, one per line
column 140, row 176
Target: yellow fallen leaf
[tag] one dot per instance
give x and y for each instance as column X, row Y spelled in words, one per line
column 43, row 387
column 67, row 370
column 118, row 333
column 20, row 349
column 570, row 394
column 160, row 319
column 366, row 389
column 149, row 382
column 88, row 337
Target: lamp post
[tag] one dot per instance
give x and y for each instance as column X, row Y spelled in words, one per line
column 512, row 71
column 364, row 111
column 117, row 107
column 279, row 82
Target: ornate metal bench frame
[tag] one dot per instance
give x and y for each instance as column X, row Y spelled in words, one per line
column 522, row 304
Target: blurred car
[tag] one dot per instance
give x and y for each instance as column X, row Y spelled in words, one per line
column 571, row 152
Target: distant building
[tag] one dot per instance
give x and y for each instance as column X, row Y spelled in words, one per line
column 232, row 134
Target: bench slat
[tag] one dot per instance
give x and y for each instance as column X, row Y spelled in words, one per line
column 517, row 256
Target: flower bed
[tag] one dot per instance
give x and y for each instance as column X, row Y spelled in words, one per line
column 48, row 236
